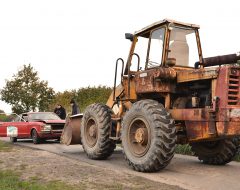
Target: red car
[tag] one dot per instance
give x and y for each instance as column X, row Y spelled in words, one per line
column 38, row 126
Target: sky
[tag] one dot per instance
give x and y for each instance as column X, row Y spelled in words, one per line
column 74, row 44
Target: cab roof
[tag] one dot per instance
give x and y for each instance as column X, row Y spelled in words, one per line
column 162, row 22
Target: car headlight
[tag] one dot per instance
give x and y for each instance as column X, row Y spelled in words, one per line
column 47, row 127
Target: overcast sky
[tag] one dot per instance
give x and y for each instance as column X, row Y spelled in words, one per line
column 74, row 44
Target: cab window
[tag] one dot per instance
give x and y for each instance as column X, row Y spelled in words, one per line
column 183, row 46
column 141, row 50
column 156, row 48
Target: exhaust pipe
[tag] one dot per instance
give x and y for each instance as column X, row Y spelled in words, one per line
column 219, row 60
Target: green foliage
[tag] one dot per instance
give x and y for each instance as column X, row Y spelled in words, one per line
column 87, row 96
column 3, row 117
column 63, row 98
column 7, row 117
column 184, row 149
column 83, row 97
column 25, row 92
column 237, row 157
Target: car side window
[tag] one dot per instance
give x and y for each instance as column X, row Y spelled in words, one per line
column 16, row 118
column 25, row 118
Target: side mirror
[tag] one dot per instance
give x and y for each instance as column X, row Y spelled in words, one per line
column 129, row 36
column 171, row 62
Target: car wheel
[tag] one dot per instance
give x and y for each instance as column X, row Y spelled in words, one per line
column 13, row 139
column 35, row 137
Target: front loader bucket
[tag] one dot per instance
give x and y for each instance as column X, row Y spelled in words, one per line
column 71, row 133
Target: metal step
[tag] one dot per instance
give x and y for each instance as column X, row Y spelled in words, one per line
column 116, row 118
column 115, row 138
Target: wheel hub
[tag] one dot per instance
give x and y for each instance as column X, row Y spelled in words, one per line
column 141, row 136
column 92, row 131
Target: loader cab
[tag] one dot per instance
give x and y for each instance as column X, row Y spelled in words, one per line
column 164, row 44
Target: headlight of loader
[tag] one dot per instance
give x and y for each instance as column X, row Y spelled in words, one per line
column 47, row 127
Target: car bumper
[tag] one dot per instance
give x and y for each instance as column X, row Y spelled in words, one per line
column 50, row 134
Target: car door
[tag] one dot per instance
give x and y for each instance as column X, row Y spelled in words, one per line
column 5, row 125
column 23, row 126
column 3, row 129
column 16, row 128
column 9, row 129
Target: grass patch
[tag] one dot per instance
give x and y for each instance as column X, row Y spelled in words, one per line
column 5, row 147
column 9, row 180
column 184, row 149
column 237, row 157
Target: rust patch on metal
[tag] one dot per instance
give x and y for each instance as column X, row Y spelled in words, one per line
column 228, row 128
column 190, row 114
column 198, row 130
column 196, row 74
column 155, row 80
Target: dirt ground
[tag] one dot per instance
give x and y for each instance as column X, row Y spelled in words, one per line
column 45, row 166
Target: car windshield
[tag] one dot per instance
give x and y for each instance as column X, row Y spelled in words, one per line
column 42, row 116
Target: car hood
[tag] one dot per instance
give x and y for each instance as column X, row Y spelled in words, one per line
column 50, row 121
column 54, row 121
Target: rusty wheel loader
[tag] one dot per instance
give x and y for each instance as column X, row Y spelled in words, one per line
column 168, row 94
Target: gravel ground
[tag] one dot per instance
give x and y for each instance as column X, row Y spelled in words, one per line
column 45, row 166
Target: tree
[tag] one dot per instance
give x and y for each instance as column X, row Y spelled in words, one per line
column 63, row 98
column 83, row 96
column 25, row 92
column 90, row 95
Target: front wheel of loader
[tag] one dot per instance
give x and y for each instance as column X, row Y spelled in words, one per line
column 148, row 136
column 95, row 131
column 218, row 152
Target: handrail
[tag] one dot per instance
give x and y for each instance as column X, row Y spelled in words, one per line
column 115, row 78
column 138, row 64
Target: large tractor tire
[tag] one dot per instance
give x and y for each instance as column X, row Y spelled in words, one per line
column 218, row 152
column 95, row 131
column 148, row 136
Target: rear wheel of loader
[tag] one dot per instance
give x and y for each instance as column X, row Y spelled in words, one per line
column 95, row 131
column 216, row 152
column 148, row 136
